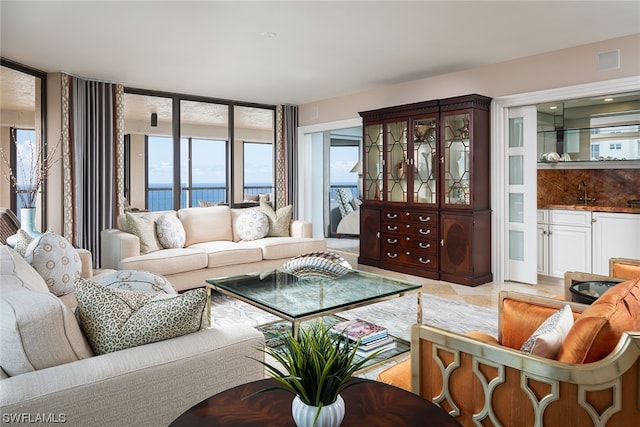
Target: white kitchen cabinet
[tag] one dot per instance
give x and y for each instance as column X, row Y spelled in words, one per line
column 543, row 241
column 543, row 249
column 614, row 235
column 564, row 244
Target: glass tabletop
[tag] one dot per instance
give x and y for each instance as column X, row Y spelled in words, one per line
column 293, row 297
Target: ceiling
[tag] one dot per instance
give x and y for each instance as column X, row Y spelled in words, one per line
column 293, row 52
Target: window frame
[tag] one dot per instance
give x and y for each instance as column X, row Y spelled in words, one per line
column 176, row 132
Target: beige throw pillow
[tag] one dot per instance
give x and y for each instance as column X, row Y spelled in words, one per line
column 116, row 319
column 144, row 226
column 279, row 221
column 22, row 241
column 15, row 269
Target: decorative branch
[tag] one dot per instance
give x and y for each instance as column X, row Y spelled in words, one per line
column 34, row 176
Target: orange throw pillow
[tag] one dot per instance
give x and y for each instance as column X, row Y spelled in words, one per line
column 599, row 328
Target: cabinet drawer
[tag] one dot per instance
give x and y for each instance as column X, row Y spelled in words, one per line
column 418, row 217
column 570, row 217
column 543, row 216
column 423, row 259
column 410, row 228
column 398, row 243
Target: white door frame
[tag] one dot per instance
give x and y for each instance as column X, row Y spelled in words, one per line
column 500, row 140
column 308, row 198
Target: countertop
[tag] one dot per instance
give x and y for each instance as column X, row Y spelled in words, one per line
column 594, row 208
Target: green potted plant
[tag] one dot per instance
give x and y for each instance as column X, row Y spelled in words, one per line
column 316, row 366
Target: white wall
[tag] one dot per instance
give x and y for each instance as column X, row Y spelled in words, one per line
column 556, row 69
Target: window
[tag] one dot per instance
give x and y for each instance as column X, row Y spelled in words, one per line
column 343, row 159
column 180, row 149
column 203, row 173
column 617, row 146
column 23, row 163
column 159, row 173
column 23, row 106
column 258, row 168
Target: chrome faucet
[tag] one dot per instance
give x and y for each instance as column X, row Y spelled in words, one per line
column 583, row 186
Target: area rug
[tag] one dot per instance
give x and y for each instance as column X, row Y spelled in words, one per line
column 397, row 315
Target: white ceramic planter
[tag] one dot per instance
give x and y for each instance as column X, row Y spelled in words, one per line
column 330, row 415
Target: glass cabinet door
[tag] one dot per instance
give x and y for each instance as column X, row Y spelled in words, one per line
column 397, row 164
column 456, row 152
column 425, row 160
column 373, row 155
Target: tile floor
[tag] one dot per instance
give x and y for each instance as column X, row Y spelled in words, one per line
column 484, row 295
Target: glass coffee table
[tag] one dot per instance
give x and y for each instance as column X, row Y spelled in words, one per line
column 298, row 300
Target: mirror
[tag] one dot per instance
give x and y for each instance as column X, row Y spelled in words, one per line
column 596, row 129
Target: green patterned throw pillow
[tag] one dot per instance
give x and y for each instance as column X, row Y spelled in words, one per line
column 116, row 319
column 279, row 221
column 144, row 226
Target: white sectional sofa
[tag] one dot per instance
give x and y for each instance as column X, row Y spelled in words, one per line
column 50, row 375
column 212, row 246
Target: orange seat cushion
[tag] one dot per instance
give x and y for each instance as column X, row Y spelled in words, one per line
column 399, row 375
column 599, row 328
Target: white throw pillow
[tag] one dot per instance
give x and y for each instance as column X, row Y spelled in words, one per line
column 170, row 232
column 56, row 260
column 252, row 224
column 134, row 280
column 548, row 338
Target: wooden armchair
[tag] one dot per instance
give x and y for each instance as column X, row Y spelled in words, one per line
column 480, row 380
column 620, row 269
column 624, row 268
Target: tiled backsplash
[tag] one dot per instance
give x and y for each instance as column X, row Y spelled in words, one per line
column 610, row 187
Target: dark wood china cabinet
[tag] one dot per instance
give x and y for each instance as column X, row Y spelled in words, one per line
column 425, row 205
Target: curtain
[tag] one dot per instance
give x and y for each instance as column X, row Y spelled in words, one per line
column 286, row 156
column 93, row 157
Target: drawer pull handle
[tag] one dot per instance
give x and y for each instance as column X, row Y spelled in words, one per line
column 392, row 241
column 424, row 245
column 424, row 261
column 392, row 227
column 390, row 255
column 425, row 232
column 392, row 216
column 424, row 219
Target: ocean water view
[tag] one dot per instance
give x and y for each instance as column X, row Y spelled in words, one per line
column 159, row 195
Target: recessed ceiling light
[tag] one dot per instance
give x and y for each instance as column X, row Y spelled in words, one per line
column 553, row 107
column 269, row 34
column 608, row 99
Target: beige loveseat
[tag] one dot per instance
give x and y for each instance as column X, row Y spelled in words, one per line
column 212, row 246
column 51, row 376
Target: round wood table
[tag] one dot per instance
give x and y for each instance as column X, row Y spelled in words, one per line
column 369, row 403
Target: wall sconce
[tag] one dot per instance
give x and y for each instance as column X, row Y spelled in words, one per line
column 154, row 119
